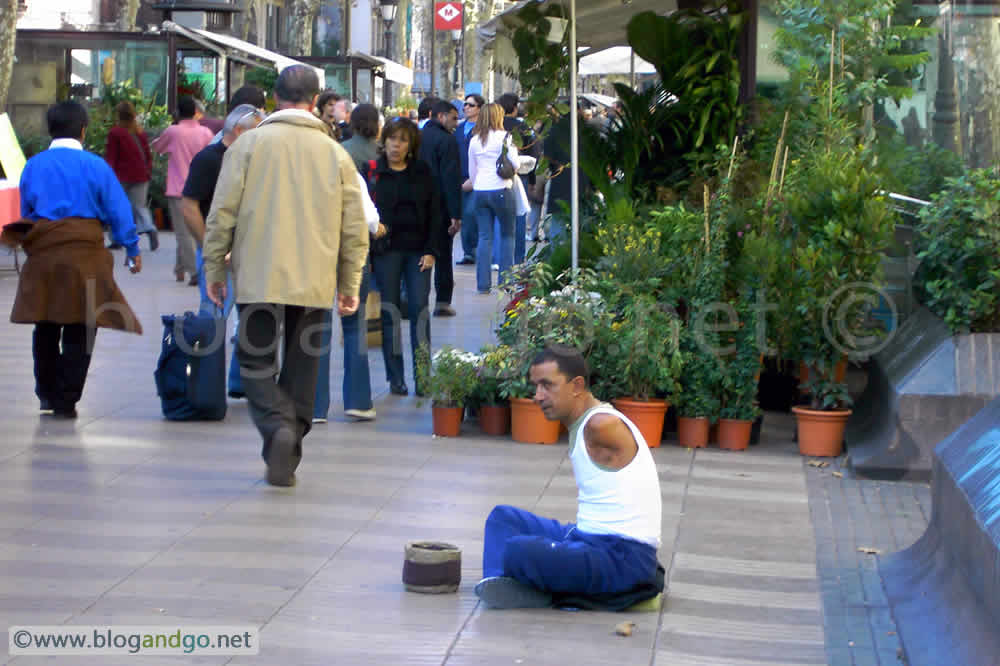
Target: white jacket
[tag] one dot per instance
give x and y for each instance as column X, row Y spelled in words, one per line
column 483, row 161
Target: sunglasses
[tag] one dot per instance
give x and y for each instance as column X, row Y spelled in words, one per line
column 474, row 106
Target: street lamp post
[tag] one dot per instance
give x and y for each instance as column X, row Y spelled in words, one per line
column 456, row 36
column 388, row 9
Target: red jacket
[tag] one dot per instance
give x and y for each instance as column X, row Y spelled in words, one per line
column 130, row 163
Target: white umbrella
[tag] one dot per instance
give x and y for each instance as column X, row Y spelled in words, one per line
column 615, row 60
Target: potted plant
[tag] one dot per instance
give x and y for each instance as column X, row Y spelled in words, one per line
column 450, row 378
column 564, row 315
column 640, row 361
column 821, row 424
column 740, row 375
column 493, row 406
column 697, row 398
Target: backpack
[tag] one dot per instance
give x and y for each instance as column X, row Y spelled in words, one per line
column 191, row 372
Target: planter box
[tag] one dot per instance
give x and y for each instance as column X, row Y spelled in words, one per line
column 921, row 388
column 945, row 589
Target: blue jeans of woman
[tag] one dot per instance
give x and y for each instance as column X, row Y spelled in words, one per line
column 490, row 204
column 357, row 380
column 389, row 268
column 208, row 307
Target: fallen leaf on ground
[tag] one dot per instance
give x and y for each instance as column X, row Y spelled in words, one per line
column 867, row 550
column 818, row 463
column 625, row 628
column 839, row 475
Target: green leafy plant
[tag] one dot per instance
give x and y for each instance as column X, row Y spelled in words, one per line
column 958, row 244
column 448, row 377
column 638, row 350
column 741, row 366
column 498, row 363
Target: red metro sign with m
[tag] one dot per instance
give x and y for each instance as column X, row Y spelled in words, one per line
column 447, row 15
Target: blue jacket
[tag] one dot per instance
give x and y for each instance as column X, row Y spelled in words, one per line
column 463, row 147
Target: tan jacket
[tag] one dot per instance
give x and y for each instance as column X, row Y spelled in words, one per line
column 288, row 206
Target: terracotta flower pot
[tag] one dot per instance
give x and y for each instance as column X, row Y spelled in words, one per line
column 692, row 431
column 494, row 419
column 821, row 433
column 647, row 416
column 529, row 425
column 734, row 434
column 447, row 420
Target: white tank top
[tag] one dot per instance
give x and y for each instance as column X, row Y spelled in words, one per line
column 625, row 502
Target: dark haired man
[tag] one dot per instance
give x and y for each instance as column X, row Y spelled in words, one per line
column 66, row 287
column 439, row 149
column 424, row 110
column 182, row 142
column 470, row 237
column 298, row 239
column 610, row 552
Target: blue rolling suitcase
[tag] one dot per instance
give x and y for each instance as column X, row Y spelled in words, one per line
column 191, row 372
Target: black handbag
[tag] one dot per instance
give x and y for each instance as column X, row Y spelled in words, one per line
column 505, row 168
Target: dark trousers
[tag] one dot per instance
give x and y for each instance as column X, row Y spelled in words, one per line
column 62, row 359
column 558, row 558
column 389, row 268
column 444, row 271
column 289, row 400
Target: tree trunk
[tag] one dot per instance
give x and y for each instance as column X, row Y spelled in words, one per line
column 300, row 26
column 8, row 37
column 128, row 10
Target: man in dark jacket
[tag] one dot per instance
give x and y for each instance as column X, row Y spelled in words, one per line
column 472, row 106
column 439, row 149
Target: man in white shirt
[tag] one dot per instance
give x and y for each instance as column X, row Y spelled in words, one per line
column 610, row 552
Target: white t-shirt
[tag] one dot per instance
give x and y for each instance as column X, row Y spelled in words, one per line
column 483, row 160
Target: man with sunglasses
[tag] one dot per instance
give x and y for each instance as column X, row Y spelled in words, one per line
column 470, row 238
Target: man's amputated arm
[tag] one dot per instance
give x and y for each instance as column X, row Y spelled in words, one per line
column 609, row 441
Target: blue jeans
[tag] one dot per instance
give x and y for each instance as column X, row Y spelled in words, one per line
column 207, row 306
column 490, row 204
column 520, row 229
column 357, row 380
column 389, row 268
column 469, row 235
column 558, row 558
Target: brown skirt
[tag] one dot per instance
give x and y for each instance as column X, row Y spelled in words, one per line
column 68, row 278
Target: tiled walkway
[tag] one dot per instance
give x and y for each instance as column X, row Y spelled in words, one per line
column 124, row 518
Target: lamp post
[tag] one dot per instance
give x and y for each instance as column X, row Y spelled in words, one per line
column 456, row 36
column 388, row 9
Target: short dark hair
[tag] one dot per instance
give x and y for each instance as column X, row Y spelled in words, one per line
column 186, row 107
column 326, row 97
column 251, row 95
column 364, row 120
column 426, row 107
column 509, row 102
column 405, row 126
column 478, row 99
column 568, row 359
column 66, row 120
column 297, row 84
column 442, row 106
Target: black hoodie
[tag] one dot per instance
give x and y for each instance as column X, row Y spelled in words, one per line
column 409, row 205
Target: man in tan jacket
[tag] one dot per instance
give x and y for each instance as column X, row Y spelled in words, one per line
column 288, row 207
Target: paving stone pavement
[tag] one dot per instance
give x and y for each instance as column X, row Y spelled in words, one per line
column 123, row 518
column 851, row 516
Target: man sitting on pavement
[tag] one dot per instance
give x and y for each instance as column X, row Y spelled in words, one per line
column 610, row 552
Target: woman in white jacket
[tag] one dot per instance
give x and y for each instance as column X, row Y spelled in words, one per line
column 493, row 196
